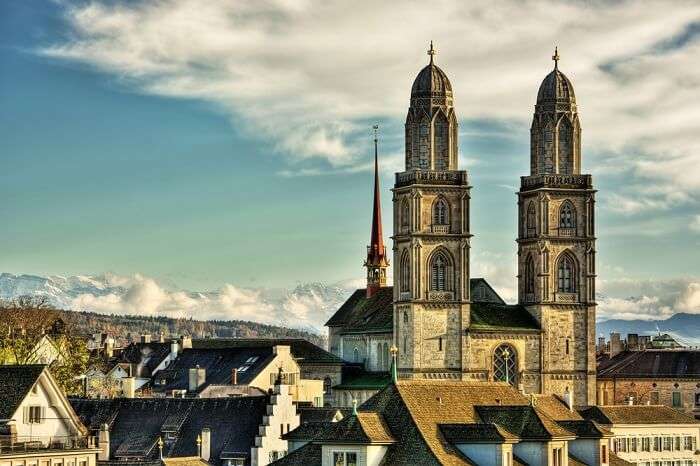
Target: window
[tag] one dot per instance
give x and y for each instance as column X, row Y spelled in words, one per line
column 688, row 443
column 344, row 458
column 531, row 221
column 251, row 359
column 356, row 355
column 440, row 212
column 567, row 346
column 654, row 398
column 327, row 384
column 405, row 272
column 439, row 343
column 505, row 364
column 633, row 444
column 677, row 443
column 646, row 441
column 603, row 454
column 530, row 275
column 33, row 415
column 557, row 459
column 438, row 269
column 668, row 443
column 405, row 214
column 657, row 443
column 676, row 400
column 566, row 274
column 567, row 215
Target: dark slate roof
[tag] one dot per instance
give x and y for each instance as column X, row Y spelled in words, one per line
column 524, row 422
column 146, row 356
column 218, row 365
column 324, row 414
column 585, row 429
column 475, row 433
column 555, row 87
column 15, row 383
column 430, row 80
column 651, row 364
column 360, row 314
column 308, row 455
column 617, row 461
column 361, row 380
column 364, row 427
column 302, row 350
column 637, row 414
column 307, row 431
column 139, row 423
column 499, row 317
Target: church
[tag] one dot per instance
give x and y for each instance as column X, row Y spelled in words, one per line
column 442, row 323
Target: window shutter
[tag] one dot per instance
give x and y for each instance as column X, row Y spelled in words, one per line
column 25, row 415
column 42, row 414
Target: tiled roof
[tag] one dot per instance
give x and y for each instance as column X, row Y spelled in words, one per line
column 499, row 317
column 651, row 364
column 308, row 455
column 147, row 356
column 637, row 414
column 324, row 414
column 365, row 428
column 303, row 351
column 524, row 422
column 555, row 408
column 185, row 461
column 15, row 383
column 218, row 365
column 308, row 431
column 475, row 433
column 139, row 422
column 573, row 461
column 617, row 461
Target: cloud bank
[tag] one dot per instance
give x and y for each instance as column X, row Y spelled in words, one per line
column 308, row 75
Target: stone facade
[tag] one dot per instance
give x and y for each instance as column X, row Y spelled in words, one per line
column 676, row 393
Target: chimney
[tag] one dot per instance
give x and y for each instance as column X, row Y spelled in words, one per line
column 205, row 447
column 568, row 399
column 103, row 443
column 198, row 376
column 234, row 376
column 161, row 338
column 185, row 342
column 174, row 348
column 146, row 338
column 615, row 344
column 128, row 387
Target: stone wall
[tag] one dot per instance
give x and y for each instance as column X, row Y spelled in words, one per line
column 650, row 391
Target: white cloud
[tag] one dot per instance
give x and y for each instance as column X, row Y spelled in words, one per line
column 695, row 223
column 306, row 75
column 631, row 299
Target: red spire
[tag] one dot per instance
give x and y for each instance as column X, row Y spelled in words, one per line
column 376, row 262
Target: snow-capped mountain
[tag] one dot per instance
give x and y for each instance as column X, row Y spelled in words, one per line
column 307, row 306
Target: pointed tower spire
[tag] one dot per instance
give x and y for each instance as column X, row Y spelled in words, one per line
column 376, row 262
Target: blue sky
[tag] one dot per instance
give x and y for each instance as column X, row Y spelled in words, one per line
column 229, row 143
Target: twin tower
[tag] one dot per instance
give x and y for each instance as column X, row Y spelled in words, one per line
column 440, row 329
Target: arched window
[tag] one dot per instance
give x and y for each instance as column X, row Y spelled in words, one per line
column 327, row 385
column 546, row 156
column 565, row 146
column 505, row 364
column 567, row 215
column 566, row 275
column 441, row 142
column 439, row 272
column 440, row 212
column 405, row 214
column 531, row 220
column 356, row 355
column 529, row 275
column 405, row 272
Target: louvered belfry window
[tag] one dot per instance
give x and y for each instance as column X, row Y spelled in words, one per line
column 565, row 273
column 439, row 274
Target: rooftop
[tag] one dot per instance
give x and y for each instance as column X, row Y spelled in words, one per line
column 15, row 383
column 637, row 414
column 651, row 364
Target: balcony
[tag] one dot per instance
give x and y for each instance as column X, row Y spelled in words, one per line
column 567, row 231
column 15, row 444
column 440, row 228
column 556, row 181
column 432, row 177
column 566, row 297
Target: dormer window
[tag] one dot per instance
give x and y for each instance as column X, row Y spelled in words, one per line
column 344, row 458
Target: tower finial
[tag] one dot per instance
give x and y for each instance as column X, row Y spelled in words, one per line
column 431, row 52
column 394, row 373
column 555, row 57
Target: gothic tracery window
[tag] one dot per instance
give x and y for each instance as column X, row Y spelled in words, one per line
column 405, row 272
column 438, row 273
column 440, row 210
column 529, row 275
column 531, row 220
column 505, row 364
column 567, row 215
column 565, row 145
column 566, row 275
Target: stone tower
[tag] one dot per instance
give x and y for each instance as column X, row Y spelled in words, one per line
column 376, row 262
column 556, row 243
column 431, row 236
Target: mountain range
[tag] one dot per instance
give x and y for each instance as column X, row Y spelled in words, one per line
column 305, row 307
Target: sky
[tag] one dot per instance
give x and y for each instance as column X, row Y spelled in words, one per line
column 224, row 143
